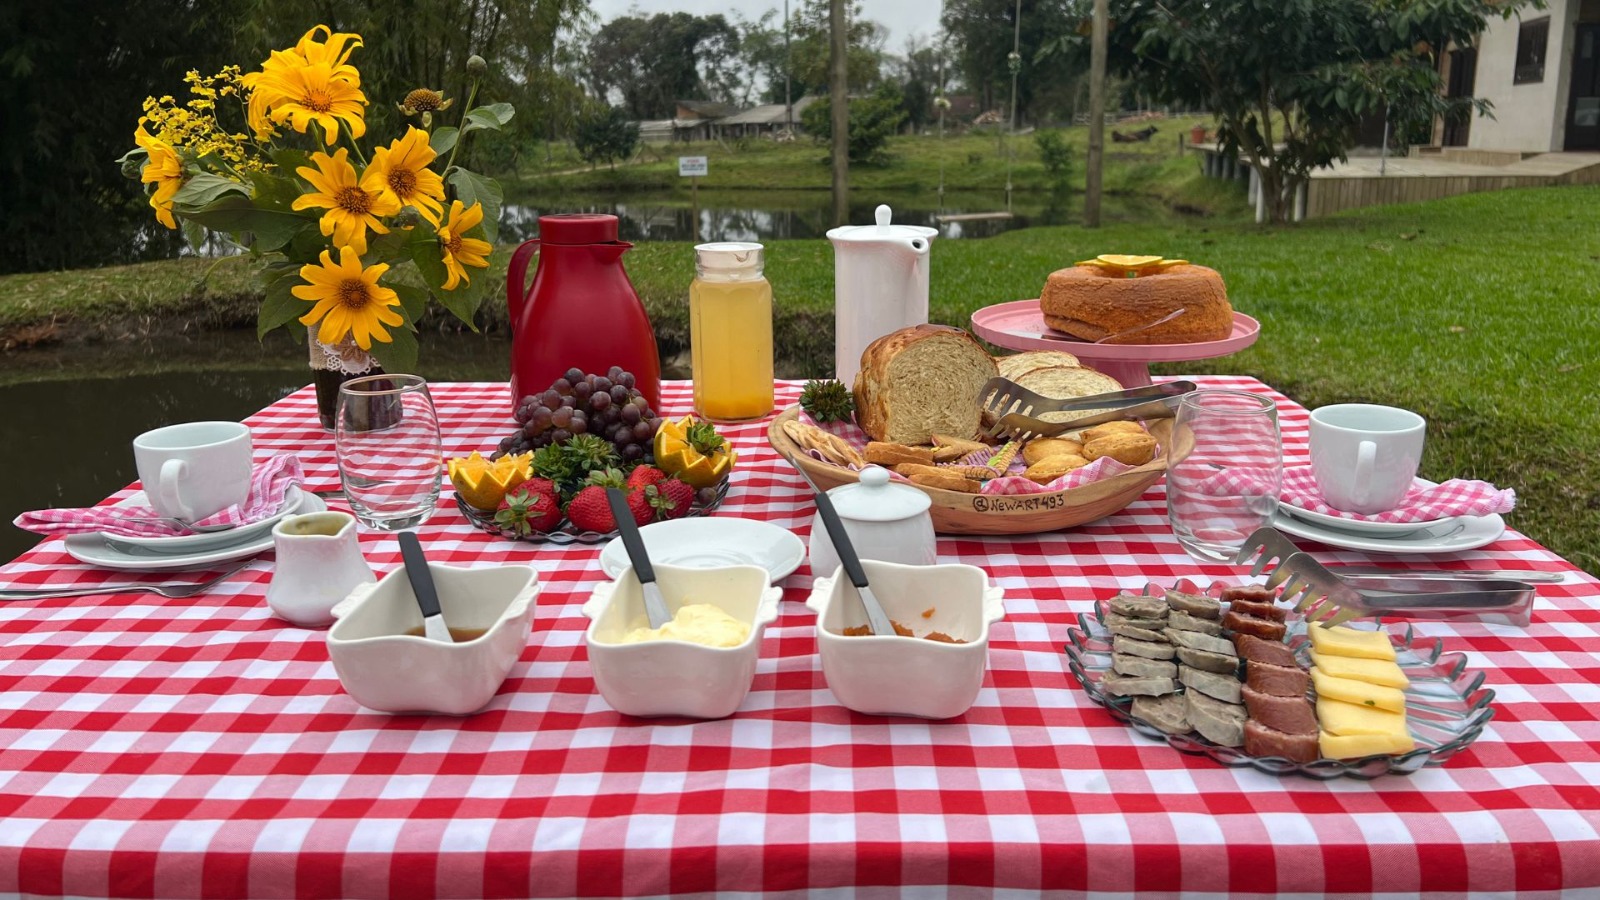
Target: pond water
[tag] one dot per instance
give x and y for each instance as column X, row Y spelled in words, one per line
column 773, row 215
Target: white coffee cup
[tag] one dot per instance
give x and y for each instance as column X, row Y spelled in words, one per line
column 196, row 469
column 1364, row 457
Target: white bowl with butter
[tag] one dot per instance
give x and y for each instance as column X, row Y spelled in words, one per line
column 699, row 665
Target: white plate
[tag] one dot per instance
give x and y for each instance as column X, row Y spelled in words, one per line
column 705, row 542
column 1461, row 533
column 211, row 540
column 1355, row 526
column 96, row 551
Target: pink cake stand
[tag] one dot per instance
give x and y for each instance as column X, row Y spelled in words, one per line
column 1019, row 325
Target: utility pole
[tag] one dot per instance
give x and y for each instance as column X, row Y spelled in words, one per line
column 1014, row 61
column 839, row 101
column 1097, row 116
column 788, row 66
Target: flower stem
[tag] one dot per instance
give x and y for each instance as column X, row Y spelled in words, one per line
column 345, row 127
column 471, row 96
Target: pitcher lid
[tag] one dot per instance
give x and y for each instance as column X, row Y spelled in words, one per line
column 882, row 230
column 578, row 228
column 874, row 498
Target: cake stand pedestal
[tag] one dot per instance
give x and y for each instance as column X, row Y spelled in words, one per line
column 1019, row 325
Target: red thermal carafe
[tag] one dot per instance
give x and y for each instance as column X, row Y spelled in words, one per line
column 581, row 312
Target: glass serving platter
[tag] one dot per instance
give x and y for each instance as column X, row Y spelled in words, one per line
column 564, row 534
column 1446, row 706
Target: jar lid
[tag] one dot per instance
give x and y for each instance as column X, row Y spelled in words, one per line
column 729, row 256
column 877, row 499
column 883, row 230
column 578, row 228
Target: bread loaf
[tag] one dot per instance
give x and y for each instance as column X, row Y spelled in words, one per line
column 1068, row 383
column 1089, row 303
column 921, row 380
column 1019, row 364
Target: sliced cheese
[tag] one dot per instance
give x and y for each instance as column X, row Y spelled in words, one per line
column 1341, row 718
column 1342, row 641
column 1350, row 746
column 1358, row 692
column 1372, row 671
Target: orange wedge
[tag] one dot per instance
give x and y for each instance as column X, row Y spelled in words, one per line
column 482, row 483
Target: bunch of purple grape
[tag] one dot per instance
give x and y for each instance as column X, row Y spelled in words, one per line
column 606, row 405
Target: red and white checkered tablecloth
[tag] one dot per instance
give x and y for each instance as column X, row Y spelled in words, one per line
column 202, row 747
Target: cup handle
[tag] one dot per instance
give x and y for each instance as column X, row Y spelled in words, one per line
column 1366, row 456
column 173, row 471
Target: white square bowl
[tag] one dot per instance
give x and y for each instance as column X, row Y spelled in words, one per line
column 891, row 675
column 385, row 669
column 670, row 677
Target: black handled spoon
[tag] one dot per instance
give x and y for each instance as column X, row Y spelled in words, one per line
column 433, row 624
column 876, row 617
column 655, row 605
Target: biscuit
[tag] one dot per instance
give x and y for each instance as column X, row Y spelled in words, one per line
column 949, row 449
column 1124, row 447
column 885, row 454
column 1106, row 428
column 1052, row 467
column 1043, row 448
column 947, row 482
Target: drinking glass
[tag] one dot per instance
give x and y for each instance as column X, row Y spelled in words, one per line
column 1225, row 471
column 387, row 438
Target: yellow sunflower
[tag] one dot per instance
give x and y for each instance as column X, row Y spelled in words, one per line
column 400, row 171
column 165, row 171
column 312, row 81
column 459, row 249
column 349, row 301
column 351, row 209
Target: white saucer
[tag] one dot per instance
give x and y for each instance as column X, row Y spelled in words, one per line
column 1360, row 526
column 706, row 542
column 96, row 551
column 1474, row 532
column 211, row 540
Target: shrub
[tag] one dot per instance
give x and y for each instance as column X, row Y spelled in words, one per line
column 1054, row 153
column 605, row 134
column 873, row 120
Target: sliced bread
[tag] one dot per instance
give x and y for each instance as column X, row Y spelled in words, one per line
column 921, row 381
column 1021, row 363
column 1067, row 383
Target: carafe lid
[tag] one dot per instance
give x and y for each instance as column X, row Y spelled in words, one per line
column 874, row 498
column 728, row 256
column 883, row 230
column 578, row 228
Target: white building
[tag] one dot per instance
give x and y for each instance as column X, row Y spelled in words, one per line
column 1541, row 70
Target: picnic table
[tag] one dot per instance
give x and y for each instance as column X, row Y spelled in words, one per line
column 203, row 747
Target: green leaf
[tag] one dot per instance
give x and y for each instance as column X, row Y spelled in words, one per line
column 473, row 188
column 399, row 354
column 194, row 233
column 492, row 117
column 236, row 214
column 413, row 299
column 202, row 189
column 273, row 191
column 443, row 139
column 389, row 248
column 463, row 302
column 280, row 306
column 429, row 258
column 289, row 160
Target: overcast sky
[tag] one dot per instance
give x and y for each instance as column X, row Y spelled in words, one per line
column 903, row 18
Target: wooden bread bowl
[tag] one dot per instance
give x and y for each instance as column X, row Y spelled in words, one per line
column 958, row 513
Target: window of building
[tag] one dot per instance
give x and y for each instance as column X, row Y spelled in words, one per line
column 1531, row 41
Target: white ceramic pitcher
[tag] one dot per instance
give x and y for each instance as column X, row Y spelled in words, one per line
column 319, row 564
column 880, row 284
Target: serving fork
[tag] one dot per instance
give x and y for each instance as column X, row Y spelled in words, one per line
column 1329, row 599
column 1015, row 410
column 172, row 591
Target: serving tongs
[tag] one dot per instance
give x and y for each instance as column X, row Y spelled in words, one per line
column 1328, row 598
column 1011, row 410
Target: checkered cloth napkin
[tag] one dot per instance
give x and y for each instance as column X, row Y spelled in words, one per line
column 1456, row 497
column 268, row 484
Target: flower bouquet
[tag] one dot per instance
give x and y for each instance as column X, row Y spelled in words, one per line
column 355, row 240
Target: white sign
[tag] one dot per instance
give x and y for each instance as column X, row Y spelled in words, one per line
column 692, row 167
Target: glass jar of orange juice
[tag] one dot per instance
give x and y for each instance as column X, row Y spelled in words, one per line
column 730, row 332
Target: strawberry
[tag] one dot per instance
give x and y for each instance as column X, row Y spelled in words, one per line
column 525, row 512
column 672, row 498
column 639, row 504
column 589, row 510
column 542, row 485
column 644, row 475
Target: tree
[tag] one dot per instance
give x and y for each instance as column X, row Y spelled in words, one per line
column 873, row 120
column 652, row 63
column 1290, row 82
column 605, row 134
column 921, row 79
column 983, row 32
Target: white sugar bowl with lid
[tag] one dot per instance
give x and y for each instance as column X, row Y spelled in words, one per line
column 885, row 520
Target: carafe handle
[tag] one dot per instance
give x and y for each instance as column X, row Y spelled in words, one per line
column 517, row 279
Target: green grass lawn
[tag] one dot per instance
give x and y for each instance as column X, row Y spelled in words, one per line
column 973, row 161
column 1478, row 312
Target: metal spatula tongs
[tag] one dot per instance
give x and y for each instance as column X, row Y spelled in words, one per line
column 1011, row 410
column 1329, row 599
